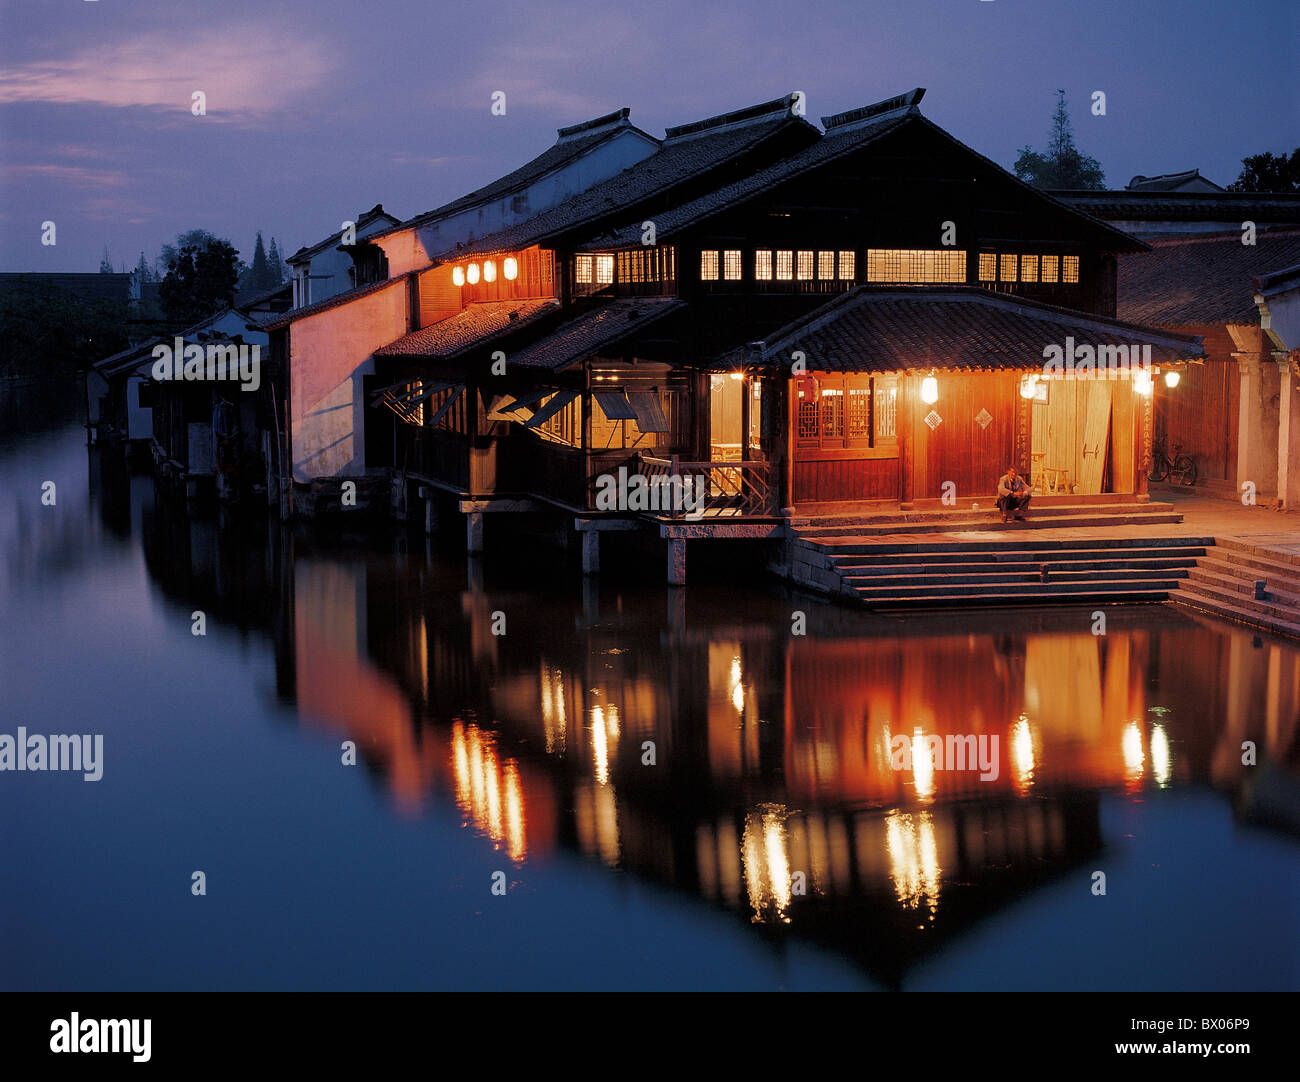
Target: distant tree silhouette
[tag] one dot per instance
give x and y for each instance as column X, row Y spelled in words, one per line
column 1064, row 165
column 201, row 277
column 276, row 264
column 105, row 264
column 1269, row 173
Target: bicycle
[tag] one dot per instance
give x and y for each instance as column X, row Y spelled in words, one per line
column 1179, row 470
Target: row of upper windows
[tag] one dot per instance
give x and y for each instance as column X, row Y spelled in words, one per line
column 1005, row 267
column 782, row 266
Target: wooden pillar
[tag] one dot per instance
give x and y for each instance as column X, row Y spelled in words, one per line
column 788, row 415
column 1144, row 423
column 746, row 405
column 907, row 438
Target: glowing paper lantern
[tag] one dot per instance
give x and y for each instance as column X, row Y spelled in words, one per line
column 511, row 269
column 1028, row 386
column 489, row 271
column 471, row 274
column 929, row 390
column 458, row 275
column 1171, row 379
column 1142, row 383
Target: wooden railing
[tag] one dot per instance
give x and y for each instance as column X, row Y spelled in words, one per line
column 735, row 489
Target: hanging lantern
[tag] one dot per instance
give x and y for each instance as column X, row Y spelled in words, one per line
column 489, row 271
column 929, row 390
column 471, row 274
column 458, row 276
column 1142, row 382
column 511, row 269
column 1171, row 379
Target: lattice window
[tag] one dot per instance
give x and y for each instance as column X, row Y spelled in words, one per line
column 915, row 265
column 826, row 266
column 1070, row 268
column 731, row 264
column 886, row 413
column 1051, row 268
column 623, row 273
column 763, row 265
column 785, row 266
column 807, row 418
column 847, row 262
column 859, row 413
column 1008, row 268
column 709, row 265
column 988, row 266
column 1029, row 268
column 582, row 269
column 604, row 270
column 832, row 411
column 804, row 268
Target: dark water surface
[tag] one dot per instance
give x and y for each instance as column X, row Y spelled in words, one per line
column 526, row 753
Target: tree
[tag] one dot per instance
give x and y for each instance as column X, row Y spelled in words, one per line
column 1064, row 165
column 53, row 332
column 105, row 264
column 277, row 266
column 1269, row 173
column 142, row 270
column 201, row 277
column 259, row 275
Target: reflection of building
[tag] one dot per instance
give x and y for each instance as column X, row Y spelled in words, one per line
column 771, row 793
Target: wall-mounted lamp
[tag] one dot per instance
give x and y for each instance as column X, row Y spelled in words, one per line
column 471, row 274
column 511, row 269
column 1171, row 379
column 1142, row 383
column 489, row 271
column 458, row 276
column 929, row 390
column 1028, row 386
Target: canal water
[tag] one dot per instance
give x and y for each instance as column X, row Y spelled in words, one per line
column 397, row 768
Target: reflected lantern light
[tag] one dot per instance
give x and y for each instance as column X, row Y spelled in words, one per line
column 471, row 274
column 511, row 268
column 489, row 271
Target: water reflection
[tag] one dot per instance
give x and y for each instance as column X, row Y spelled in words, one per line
column 688, row 739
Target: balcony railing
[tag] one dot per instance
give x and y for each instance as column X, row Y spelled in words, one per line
column 734, row 489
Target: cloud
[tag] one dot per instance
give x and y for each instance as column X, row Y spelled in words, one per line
column 245, row 70
column 67, row 174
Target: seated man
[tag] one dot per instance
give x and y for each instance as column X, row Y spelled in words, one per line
column 1013, row 495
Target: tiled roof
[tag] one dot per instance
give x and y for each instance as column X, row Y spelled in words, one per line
column 572, row 143
column 681, row 158
column 892, row 329
column 472, row 326
column 285, row 318
column 333, row 240
column 580, row 338
column 1168, row 182
column 1201, row 279
column 1274, row 208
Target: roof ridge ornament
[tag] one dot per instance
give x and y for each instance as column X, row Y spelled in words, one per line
column 737, row 118
column 617, row 119
column 900, row 105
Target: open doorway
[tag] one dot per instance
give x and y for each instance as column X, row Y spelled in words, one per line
column 1082, row 437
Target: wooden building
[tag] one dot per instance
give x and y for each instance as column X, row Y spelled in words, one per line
column 759, row 317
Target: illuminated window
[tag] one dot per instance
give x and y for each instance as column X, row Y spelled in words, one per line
column 832, row 410
column 604, row 270
column 709, row 265
column 825, row 266
column 1051, row 268
column 731, row 264
column 624, row 275
column 583, row 269
column 763, row 266
column 785, row 266
column 859, row 413
column 846, row 267
column 1070, row 268
column 988, row 267
column 1008, row 268
column 910, row 265
column 886, row 412
column 807, row 418
column 1029, row 268
column 804, row 268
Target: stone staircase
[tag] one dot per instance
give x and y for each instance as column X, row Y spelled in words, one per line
column 1223, row 582
column 885, row 560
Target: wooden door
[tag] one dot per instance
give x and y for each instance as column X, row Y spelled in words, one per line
column 1093, row 401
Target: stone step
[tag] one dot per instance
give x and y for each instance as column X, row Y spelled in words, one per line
column 1017, row 545
column 1245, row 565
column 991, row 522
column 1241, row 601
column 1268, row 552
column 1283, row 593
column 1080, row 595
column 1116, row 587
column 959, row 562
column 987, row 508
column 941, row 580
column 1227, row 610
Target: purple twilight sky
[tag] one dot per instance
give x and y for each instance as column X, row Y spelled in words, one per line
column 318, row 109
